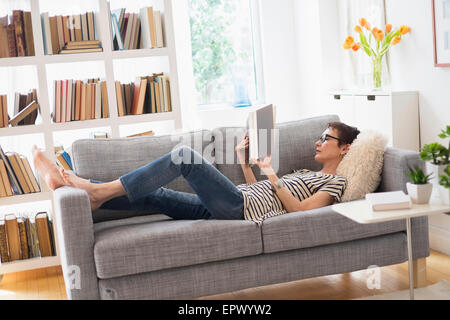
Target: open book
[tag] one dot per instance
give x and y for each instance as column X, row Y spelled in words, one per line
column 260, row 125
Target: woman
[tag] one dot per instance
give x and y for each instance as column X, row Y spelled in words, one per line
column 216, row 196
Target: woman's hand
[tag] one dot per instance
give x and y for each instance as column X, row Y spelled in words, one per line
column 243, row 145
column 265, row 165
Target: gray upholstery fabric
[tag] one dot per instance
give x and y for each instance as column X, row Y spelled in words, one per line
column 76, row 242
column 235, row 274
column 108, row 159
column 296, row 147
column 318, row 227
column 143, row 244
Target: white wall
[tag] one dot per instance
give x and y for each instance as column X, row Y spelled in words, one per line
column 412, row 66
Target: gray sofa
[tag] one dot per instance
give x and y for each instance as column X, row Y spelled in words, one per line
column 125, row 254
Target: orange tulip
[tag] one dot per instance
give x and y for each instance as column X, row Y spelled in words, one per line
column 346, row 46
column 356, row 47
column 379, row 35
column 358, row 29
column 362, row 22
column 396, row 40
column 349, row 40
column 388, row 28
column 404, row 29
column 374, row 31
column 367, row 25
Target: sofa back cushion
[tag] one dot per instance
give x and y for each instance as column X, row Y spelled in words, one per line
column 108, row 159
column 296, row 142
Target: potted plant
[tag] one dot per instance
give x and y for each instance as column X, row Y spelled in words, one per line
column 419, row 190
column 436, row 156
column 444, row 188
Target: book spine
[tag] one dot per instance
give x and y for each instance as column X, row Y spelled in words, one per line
column 28, row 29
column 12, row 234
column 23, row 241
column 4, row 254
column 11, row 34
column 18, row 28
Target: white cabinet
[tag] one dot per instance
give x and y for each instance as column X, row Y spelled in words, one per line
column 395, row 114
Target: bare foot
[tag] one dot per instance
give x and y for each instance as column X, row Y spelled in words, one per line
column 94, row 193
column 47, row 170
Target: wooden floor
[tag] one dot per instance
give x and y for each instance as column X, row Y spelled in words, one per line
column 48, row 283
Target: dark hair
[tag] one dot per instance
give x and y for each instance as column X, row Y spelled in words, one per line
column 346, row 133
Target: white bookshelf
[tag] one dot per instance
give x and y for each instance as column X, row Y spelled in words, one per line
column 40, row 61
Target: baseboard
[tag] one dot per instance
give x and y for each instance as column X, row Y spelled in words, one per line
column 439, row 239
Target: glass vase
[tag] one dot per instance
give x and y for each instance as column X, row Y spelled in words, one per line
column 377, row 72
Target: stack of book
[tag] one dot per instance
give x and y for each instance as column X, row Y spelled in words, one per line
column 26, row 236
column 63, row 158
column 26, row 108
column 137, row 30
column 149, row 94
column 80, row 100
column 16, row 175
column 4, row 116
column 81, row 47
column 16, row 35
column 59, row 30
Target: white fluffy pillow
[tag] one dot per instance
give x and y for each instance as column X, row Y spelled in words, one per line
column 362, row 165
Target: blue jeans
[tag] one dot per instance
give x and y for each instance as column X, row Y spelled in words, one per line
column 216, row 196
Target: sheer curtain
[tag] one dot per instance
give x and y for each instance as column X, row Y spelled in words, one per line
column 357, row 66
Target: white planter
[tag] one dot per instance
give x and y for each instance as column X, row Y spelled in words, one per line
column 436, row 170
column 419, row 193
column 444, row 195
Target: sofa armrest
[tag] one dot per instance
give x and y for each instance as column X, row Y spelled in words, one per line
column 395, row 166
column 76, row 242
column 393, row 178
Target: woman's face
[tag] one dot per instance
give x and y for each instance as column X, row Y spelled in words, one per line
column 327, row 147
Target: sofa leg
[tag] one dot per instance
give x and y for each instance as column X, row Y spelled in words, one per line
column 420, row 272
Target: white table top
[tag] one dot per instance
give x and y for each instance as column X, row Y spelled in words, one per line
column 361, row 212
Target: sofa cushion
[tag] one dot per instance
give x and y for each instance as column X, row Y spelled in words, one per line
column 318, row 227
column 155, row 242
column 108, row 159
column 296, row 140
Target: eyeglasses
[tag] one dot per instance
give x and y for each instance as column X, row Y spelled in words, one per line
column 325, row 136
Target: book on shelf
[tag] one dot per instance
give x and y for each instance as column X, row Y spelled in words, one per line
column 16, row 35
column 5, row 180
column 13, row 237
column 79, row 100
column 146, row 133
column 64, row 160
column 4, row 117
column 30, row 108
column 32, row 237
column 24, row 254
column 393, row 200
column 70, row 33
column 11, row 174
column 149, row 94
column 260, row 125
column 45, row 235
column 137, row 30
column 4, row 253
column 18, row 172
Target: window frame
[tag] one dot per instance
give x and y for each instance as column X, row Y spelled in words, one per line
column 255, row 11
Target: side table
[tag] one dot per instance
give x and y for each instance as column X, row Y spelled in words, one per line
column 361, row 212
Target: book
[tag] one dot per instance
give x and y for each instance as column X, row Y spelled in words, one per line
column 77, row 27
column 12, row 236
column 136, row 33
column 117, row 37
column 60, row 30
column 129, row 31
column 83, row 101
column 32, row 237
column 128, row 96
column 69, row 85
column 63, row 101
column 5, row 179
column 167, row 93
column 72, row 113
column 66, row 32
column 43, row 232
column 84, row 27
column 54, row 35
column 28, row 31
column 4, row 51
column 120, row 101
column 139, row 96
column 2, row 185
column 46, row 33
column 98, row 101
column 18, row 29
column 4, row 253
column 64, row 51
column 14, row 121
column 105, row 105
column 11, row 36
column 18, row 172
column 77, row 99
column 23, row 239
column 260, row 125
column 2, row 123
column 91, row 29
column 93, row 99
column 72, row 27
column 62, row 162
column 158, row 29
column 11, row 174
column 31, row 174
column 24, row 172
column 393, row 200
column 146, row 133
column 88, row 101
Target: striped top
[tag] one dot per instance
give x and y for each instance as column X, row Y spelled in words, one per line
column 262, row 202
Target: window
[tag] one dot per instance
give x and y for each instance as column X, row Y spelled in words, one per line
column 226, row 52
